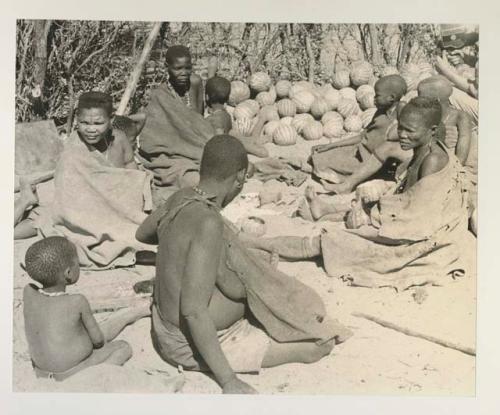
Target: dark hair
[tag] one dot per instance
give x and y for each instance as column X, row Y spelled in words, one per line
column 45, row 260
column 177, row 51
column 96, row 99
column 396, row 83
column 428, row 108
column 218, row 90
column 222, row 157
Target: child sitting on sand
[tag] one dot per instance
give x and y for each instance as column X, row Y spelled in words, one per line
column 63, row 335
column 457, row 123
column 94, row 128
column 342, row 158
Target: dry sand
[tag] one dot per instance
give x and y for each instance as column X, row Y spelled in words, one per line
column 375, row 361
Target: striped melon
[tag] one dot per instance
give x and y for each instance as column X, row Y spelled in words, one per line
column 230, row 111
column 285, row 135
column 389, row 70
column 364, row 90
column 272, row 93
column 367, row 101
column 325, row 89
column 239, row 93
column 243, row 111
column 313, row 130
column 331, row 116
column 410, row 73
column 319, row 107
column 348, row 93
column 260, row 82
column 341, row 79
column 367, row 116
column 361, row 73
column 353, row 124
column 243, row 126
column 303, row 100
column 270, row 127
column 265, row 98
column 286, row 120
column 332, row 98
column 286, row 108
column 300, row 120
column 252, row 104
column 282, row 88
column 333, row 129
column 348, row 107
column 269, row 113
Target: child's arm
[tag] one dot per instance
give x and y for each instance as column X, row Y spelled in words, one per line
column 90, row 324
column 199, row 104
column 146, row 233
column 447, row 71
column 128, row 155
column 464, row 137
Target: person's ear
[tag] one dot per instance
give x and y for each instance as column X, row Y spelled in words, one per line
column 67, row 275
column 241, row 176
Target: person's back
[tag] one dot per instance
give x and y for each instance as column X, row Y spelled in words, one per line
column 55, row 332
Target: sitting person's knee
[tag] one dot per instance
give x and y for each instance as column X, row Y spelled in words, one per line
column 318, row 351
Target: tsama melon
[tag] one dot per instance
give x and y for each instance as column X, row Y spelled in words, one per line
column 283, row 88
column 243, row 126
column 313, row 130
column 389, row 70
column 285, row 135
column 303, row 100
column 265, row 98
column 367, row 116
column 286, row 108
column 286, row 120
column 361, row 73
column 243, row 111
column 300, row 120
column 239, row 93
column 252, row 104
column 333, row 129
column 269, row 113
column 348, row 93
column 270, row 127
column 348, row 107
column 319, row 107
column 332, row 98
column 331, row 116
column 260, row 82
column 341, row 79
column 353, row 124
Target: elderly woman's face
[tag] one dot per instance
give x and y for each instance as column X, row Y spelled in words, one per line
column 413, row 130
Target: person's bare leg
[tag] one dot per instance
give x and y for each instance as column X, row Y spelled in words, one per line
column 24, row 230
column 289, row 247
column 120, row 319
column 27, row 198
column 115, row 353
column 299, row 352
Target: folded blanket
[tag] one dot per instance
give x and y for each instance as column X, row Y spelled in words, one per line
column 97, row 206
column 422, row 237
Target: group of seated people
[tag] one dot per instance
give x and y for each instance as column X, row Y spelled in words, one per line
column 219, row 304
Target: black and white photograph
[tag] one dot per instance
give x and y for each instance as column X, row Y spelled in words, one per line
column 245, row 208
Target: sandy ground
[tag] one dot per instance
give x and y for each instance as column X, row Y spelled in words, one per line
column 374, row 361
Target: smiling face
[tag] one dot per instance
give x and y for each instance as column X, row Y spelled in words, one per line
column 180, row 70
column 413, row 130
column 93, row 124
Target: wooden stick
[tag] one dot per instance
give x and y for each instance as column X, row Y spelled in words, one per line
column 467, row 350
column 134, row 77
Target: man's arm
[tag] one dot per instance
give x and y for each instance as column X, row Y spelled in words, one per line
column 139, row 119
column 198, row 285
column 128, row 154
column 147, row 231
column 90, row 324
column 464, row 137
column 340, row 143
column 448, row 72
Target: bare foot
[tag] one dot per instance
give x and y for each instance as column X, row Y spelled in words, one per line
column 28, row 192
column 338, row 188
column 315, row 203
column 304, row 211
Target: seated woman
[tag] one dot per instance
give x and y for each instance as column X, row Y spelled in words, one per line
column 413, row 235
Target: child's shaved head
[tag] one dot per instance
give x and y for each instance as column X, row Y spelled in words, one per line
column 47, row 259
column 177, row 51
column 429, row 109
column 393, row 84
column 96, row 99
column 222, row 157
column 218, row 90
column 435, row 87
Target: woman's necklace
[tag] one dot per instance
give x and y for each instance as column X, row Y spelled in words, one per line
column 185, row 99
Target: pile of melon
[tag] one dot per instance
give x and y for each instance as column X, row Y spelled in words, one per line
column 310, row 111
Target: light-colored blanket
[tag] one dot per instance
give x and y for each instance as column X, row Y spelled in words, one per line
column 422, row 237
column 97, row 206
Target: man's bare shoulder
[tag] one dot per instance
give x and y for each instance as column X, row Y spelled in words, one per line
column 434, row 162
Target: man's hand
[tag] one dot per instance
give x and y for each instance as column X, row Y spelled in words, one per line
column 237, row 386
